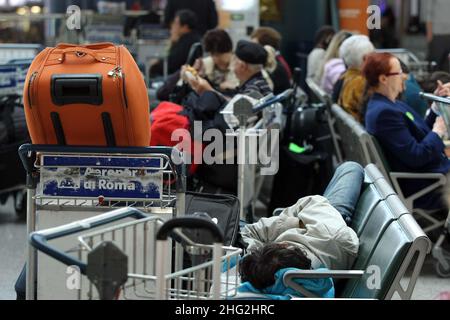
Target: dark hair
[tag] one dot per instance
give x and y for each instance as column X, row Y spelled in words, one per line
column 323, row 37
column 267, row 36
column 404, row 67
column 376, row 64
column 187, row 18
column 217, row 41
column 260, row 266
column 430, row 84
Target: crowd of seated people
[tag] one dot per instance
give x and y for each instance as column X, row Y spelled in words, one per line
column 198, row 91
column 379, row 91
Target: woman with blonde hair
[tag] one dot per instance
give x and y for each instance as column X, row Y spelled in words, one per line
column 333, row 66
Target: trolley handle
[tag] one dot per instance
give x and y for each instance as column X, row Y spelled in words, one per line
column 39, row 239
column 434, row 98
column 278, row 98
column 189, row 223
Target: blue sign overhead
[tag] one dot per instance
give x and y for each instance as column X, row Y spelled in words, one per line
column 95, row 176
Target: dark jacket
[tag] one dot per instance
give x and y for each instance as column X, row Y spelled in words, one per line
column 205, row 10
column 407, row 141
column 178, row 55
column 207, row 106
column 255, row 83
column 280, row 79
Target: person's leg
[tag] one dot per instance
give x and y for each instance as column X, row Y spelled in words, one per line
column 344, row 189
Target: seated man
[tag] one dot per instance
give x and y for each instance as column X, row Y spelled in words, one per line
column 182, row 37
column 311, row 234
column 206, row 103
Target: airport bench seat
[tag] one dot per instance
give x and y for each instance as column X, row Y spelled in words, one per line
column 391, row 242
column 358, row 145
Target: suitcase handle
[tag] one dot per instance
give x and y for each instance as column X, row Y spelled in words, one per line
column 189, row 223
column 80, row 51
column 96, row 46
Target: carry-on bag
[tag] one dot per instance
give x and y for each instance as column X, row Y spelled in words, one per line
column 221, row 209
column 91, row 95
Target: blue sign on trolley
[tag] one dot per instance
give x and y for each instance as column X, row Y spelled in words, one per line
column 95, row 176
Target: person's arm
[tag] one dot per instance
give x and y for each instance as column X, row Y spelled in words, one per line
column 266, row 230
column 393, row 134
column 442, row 90
column 307, row 213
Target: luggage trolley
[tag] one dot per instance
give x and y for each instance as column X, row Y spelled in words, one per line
column 67, row 184
column 239, row 113
column 111, row 267
column 439, row 253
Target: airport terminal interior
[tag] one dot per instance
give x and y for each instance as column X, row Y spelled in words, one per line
column 223, row 149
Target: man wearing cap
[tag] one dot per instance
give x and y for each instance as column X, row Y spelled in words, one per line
column 249, row 61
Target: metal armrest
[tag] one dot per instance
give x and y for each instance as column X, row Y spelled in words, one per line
column 395, row 176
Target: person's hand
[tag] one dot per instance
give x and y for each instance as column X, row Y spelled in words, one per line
column 443, row 90
column 200, row 85
column 183, row 73
column 439, row 127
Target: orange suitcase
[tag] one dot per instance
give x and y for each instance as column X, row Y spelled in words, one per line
column 91, row 95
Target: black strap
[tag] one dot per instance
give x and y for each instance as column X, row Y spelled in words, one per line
column 57, row 125
column 109, row 130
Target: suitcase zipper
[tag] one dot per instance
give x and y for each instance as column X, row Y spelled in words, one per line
column 30, row 83
column 117, row 73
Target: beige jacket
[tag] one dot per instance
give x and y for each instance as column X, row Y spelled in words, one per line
column 325, row 238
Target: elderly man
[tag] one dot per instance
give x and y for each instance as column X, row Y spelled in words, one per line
column 250, row 59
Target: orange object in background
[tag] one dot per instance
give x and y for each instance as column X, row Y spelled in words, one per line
column 353, row 15
column 93, row 95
